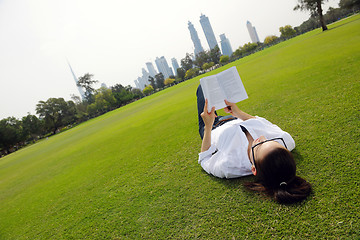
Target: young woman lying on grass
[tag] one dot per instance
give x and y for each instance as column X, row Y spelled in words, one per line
column 241, row 145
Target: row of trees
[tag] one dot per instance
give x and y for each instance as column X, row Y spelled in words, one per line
column 56, row 114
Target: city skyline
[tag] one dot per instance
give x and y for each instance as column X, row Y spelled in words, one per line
column 38, row 36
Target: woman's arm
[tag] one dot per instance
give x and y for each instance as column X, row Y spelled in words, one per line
column 209, row 118
column 234, row 110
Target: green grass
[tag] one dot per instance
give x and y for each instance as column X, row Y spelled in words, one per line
column 133, row 173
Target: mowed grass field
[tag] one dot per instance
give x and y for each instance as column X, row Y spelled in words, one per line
column 133, row 173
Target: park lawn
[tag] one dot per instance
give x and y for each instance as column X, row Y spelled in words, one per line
column 133, row 173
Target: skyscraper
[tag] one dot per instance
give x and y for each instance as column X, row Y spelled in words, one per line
column 142, row 81
column 151, row 69
column 81, row 91
column 195, row 38
column 225, row 45
column 208, row 31
column 252, row 31
column 163, row 66
column 175, row 65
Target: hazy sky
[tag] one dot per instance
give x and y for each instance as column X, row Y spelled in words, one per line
column 113, row 40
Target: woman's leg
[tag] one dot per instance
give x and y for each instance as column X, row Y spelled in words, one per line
column 200, row 106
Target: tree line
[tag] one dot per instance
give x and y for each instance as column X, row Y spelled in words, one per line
column 56, row 114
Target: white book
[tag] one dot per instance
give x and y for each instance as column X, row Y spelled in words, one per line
column 224, row 85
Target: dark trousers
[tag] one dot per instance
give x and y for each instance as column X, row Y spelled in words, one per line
column 219, row 120
column 200, row 106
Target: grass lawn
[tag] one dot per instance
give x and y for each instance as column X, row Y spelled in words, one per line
column 133, row 173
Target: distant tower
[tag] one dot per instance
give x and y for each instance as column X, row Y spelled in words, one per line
column 195, row 39
column 81, row 91
column 151, row 69
column 142, row 81
column 163, row 66
column 208, row 31
column 252, row 31
column 175, row 65
column 225, row 45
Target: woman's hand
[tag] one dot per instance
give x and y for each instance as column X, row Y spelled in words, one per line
column 208, row 117
column 234, row 110
column 231, row 108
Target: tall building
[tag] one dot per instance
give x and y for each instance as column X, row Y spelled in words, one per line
column 225, row 45
column 208, row 31
column 151, row 69
column 175, row 65
column 163, row 66
column 252, row 31
column 142, row 81
column 81, row 91
column 195, row 39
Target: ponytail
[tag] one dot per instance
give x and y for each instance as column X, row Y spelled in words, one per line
column 297, row 190
column 276, row 177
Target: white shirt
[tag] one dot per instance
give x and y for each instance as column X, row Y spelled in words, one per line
column 227, row 156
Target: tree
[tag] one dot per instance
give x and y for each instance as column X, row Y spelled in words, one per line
column 214, row 55
column 128, row 88
column 81, row 108
column 248, row 47
column 308, row 25
column 287, row 31
column 32, row 126
column 137, row 93
column 201, row 58
column 70, row 113
column 238, row 52
column 187, row 62
column 148, row 90
column 169, row 81
column 10, row 133
column 87, row 82
column 104, row 101
column 181, row 73
column 350, row 4
column 206, row 66
column 152, row 82
column 314, row 6
column 270, row 39
column 159, row 78
column 224, row 59
column 121, row 95
column 192, row 73
column 56, row 113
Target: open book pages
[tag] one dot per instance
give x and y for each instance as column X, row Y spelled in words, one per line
column 224, row 85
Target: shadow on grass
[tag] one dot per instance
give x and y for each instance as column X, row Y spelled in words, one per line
column 233, row 182
column 297, row 156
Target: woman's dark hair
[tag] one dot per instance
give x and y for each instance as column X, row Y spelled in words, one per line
column 276, row 176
